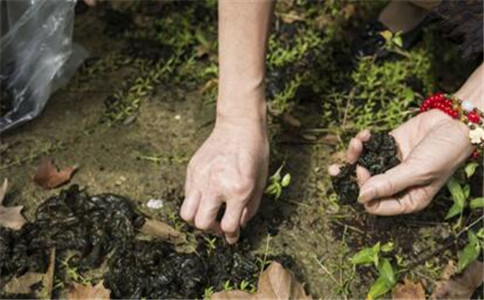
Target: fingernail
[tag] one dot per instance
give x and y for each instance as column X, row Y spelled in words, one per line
column 233, row 238
column 366, row 194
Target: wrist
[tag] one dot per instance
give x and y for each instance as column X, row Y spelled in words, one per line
column 242, row 102
column 473, row 89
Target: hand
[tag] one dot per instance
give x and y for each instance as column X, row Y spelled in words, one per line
column 230, row 167
column 432, row 146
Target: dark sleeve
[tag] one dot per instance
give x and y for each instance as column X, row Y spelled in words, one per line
column 463, row 23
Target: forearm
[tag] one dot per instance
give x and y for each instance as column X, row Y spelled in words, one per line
column 243, row 35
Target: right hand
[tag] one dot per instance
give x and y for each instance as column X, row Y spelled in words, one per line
column 230, row 167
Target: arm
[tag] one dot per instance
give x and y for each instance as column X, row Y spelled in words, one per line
column 231, row 166
column 243, row 34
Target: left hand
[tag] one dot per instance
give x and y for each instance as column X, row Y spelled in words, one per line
column 432, row 146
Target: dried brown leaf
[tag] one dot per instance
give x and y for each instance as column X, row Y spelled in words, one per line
column 78, row 291
column 26, row 283
column 10, row 217
column 159, row 229
column 460, row 286
column 274, row 283
column 408, row 290
column 49, row 177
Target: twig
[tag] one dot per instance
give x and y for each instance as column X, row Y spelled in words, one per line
column 326, row 271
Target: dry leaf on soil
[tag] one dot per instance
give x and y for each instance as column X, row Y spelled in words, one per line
column 274, row 283
column 10, row 217
column 459, row 286
column 79, row 292
column 162, row 230
column 24, row 283
column 49, row 177
column 408, row 290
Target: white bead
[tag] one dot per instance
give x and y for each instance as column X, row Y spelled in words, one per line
column 467, row 106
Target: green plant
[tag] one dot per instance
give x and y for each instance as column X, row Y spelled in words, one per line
column 228, row 286
column 394, row 43
column 386, row 274
column 207, row 294
column 277, row 183
column 385, row 281
column 210, row 244
column 471, row 251
column 460, row 191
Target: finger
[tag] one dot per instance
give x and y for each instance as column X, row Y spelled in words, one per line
column 354, row 150
column 206, row 217
column 389, row 183
column 413, row 201
column 362, row 175
column 190, row 205
column 364, row 135
column 334, row 170
column 231, row 221
column 245, row 217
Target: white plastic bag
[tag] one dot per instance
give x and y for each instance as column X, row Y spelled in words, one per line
column 36, row 54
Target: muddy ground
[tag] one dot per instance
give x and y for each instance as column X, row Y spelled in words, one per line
column 145, row 157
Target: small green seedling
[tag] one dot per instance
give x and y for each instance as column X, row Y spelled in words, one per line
column 460, row 191
column 372, row 255
column 207, row 294
column 277, row 183
column 471, row 251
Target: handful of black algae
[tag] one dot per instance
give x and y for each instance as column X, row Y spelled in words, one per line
column 380, row 153
column 88, row 230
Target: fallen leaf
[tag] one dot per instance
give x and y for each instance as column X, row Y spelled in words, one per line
column 459, row 286
column 78, row 291
column 159, row 229
column 28, row 283
column 408, row 290
column 10, row 217
column 274, row 283
column 49, row 177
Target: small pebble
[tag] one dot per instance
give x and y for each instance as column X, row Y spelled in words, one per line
column 177, row 117
column 155, row 203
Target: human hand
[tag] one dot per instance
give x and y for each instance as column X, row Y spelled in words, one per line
column 432, row 146
column 231, row 168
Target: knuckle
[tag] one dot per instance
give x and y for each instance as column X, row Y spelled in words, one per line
column 202, row 224
column 242, row 189
column 389, row 186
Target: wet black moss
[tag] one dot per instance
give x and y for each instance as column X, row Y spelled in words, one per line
column 89, row 230
column 380, row 153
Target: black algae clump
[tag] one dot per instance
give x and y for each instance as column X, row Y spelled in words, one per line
column 380, row 153
column 89, row 230
column 153, row 270
column 91, row 226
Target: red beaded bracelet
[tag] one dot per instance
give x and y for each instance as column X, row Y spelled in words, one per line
column 462, row 110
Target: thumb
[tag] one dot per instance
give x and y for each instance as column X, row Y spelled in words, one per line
column 391, row 182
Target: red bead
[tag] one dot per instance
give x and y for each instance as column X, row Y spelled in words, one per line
column 473, row 117
column 475, row 154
